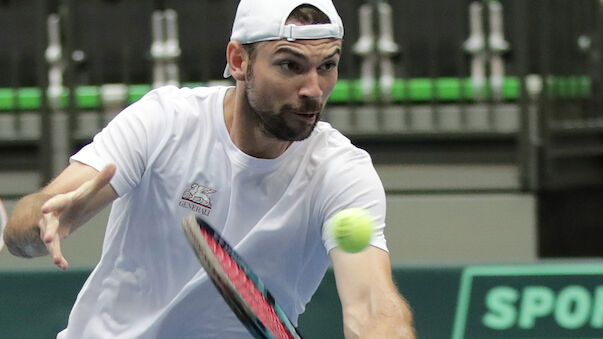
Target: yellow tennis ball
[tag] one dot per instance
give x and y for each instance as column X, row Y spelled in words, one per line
column 352, row 229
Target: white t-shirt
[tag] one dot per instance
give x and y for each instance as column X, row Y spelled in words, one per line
column 174, row 157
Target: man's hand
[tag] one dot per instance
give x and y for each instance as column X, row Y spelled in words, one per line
column 63, row 213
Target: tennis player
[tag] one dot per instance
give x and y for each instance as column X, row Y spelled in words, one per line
column 255, row 161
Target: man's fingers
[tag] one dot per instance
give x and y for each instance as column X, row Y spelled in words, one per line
column 104, row 177
column 54, row 248
column 49, row 225
column 101, row 180
column 56, row 203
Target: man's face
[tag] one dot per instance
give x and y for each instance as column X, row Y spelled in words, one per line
column 288, row 84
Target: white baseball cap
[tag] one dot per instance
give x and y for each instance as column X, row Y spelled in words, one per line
column 264, row 20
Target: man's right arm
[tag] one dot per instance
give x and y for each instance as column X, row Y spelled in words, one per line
column 41, row 219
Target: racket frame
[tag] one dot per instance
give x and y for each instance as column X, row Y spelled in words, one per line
column 193, row 226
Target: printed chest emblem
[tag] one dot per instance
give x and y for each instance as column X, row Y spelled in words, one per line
column 197, row 198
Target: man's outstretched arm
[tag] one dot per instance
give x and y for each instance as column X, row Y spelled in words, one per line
column 371, row 304
column 40, row 220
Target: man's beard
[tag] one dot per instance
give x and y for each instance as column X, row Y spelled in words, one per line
column 274, row 124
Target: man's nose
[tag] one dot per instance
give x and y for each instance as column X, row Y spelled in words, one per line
column 310, row 87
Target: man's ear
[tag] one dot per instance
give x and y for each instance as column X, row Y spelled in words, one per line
column 238, row 60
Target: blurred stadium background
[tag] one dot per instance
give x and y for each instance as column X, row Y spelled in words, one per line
column 484, row 120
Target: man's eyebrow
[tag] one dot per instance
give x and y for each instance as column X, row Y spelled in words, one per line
column 289, row 50
column 336, row 52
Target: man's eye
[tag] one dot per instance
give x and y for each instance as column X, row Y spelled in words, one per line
column 327, row 66
column 290, row 66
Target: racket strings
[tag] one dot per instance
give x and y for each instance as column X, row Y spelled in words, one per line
column 254, row 297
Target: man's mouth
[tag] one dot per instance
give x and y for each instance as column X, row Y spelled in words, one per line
column 307, row 113
column 309, row 116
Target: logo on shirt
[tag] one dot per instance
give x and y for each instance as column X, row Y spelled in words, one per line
column 197, row 198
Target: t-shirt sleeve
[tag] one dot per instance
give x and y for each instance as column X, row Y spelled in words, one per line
column 129, row 141
column 353, row 182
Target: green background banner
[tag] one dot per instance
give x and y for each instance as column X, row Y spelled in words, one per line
column 36, row 304
column 486, row 302
column 531, row 302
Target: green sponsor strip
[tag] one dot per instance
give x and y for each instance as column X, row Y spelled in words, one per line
column 135, row 92
column 420, row 89
column 7, row 99
column 448, row 89
column 356, row 94
column 341, row 92
column 511, row 88
column 29, row 98
column 346, row 91
column 88, row 97
column 350, row 91
column 571, row 87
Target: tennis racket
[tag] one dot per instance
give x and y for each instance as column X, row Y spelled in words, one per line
column 242, row 290
column 3, row 221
